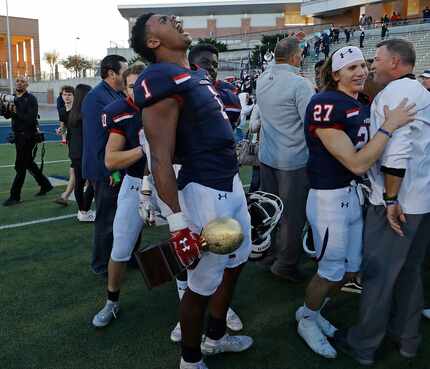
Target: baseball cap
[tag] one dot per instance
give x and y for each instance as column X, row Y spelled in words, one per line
column 426, row 73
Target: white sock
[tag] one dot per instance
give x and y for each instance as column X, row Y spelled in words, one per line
column 181, row 286
column 308, row 313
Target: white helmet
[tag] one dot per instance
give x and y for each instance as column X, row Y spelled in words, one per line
column 265, row 210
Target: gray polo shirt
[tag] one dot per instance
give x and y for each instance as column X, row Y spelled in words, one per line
column 282, row 97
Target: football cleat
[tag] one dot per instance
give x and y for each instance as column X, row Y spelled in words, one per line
column 226, row 344
column 309, row 330
column 105, row 315
column 176, row 334
column 326, row 327
column 233, row 321
column 199, row 365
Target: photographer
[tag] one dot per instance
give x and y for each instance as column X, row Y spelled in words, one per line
column 25, row 135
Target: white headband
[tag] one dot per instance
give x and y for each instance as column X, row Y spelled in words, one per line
column 344, row 56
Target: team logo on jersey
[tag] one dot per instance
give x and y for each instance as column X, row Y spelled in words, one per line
column 352, row 112
column 220, row 196
column 181, row 78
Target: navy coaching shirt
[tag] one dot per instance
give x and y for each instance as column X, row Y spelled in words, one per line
column 94, row 135
column 333, row 109
column 123, row 117
column 205, row 144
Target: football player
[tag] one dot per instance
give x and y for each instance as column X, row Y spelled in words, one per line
column 337, row 134
column 184, row 121
column 206, row 56
column 123, row 151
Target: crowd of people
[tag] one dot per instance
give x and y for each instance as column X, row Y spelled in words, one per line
column 347, row 159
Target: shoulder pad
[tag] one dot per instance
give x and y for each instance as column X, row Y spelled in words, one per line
column 158, row 82
column 116, row 114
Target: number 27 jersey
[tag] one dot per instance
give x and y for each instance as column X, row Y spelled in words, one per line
column 336, row 110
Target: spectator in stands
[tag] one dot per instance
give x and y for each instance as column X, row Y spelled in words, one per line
column 347, row 35
column 362, row 21
column 426, row 14
column 386, row 19
column 317, row 46
column 83, row 198
column 283, row 96
column 336, row 33
column 425, row 79
column 66, row 94
column 95, row 139
column 384, row 30
column 396, row 231
column 326, row 50
column 362, row 35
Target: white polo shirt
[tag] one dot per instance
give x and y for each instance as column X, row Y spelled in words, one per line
column 409, row 148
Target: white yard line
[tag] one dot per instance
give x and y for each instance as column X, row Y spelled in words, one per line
column 38, row 163
column 37, row 221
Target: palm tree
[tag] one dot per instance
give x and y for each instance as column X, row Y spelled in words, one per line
column 51, row 57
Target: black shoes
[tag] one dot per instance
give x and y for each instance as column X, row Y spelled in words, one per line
column 44, row 190
column 11, row 202
column 340, row 342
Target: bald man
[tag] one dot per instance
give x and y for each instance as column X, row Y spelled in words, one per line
column 25, row 129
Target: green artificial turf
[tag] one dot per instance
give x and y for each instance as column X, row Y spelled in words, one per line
column 48, row 297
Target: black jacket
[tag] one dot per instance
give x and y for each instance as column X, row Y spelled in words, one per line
column 25, row 119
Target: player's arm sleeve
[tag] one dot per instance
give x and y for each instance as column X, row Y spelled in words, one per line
column 304, row 93
column 322, row 113
column 111, row 121
column 154, row 86
column 399, row 148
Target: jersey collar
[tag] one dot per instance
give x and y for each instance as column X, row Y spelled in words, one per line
column 409, row 75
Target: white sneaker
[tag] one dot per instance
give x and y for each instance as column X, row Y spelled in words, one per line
column 426, row 313
column 308, row 329
column 176, row 334
column 326, row 327
column 199, row 365
column 226, row 344
column 233, row 321
column 105, row 315
column 86, row 216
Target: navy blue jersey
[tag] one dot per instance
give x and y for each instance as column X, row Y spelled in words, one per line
column 123, row 117
column 230, row 100
column 333, row 109
column 204, row 137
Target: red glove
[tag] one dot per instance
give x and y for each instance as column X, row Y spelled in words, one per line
column 185, row 243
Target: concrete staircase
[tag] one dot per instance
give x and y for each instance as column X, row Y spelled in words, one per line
column 419, row 35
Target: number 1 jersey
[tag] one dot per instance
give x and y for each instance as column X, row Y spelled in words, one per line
column 205, row 144
column 336, row 110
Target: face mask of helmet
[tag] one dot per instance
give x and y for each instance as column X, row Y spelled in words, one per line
column 265, row 210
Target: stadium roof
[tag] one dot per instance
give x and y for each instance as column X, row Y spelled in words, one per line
column 205, row 8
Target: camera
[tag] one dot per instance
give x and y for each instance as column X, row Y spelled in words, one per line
column 7, row 99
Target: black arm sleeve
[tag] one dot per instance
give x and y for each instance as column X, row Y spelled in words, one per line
column 393, row 171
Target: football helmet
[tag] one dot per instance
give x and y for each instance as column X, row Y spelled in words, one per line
column 265, row 210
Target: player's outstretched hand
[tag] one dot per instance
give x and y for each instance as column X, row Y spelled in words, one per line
column 401, row 115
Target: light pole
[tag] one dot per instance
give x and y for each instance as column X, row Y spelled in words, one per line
column 77, row 38
column 9, row 50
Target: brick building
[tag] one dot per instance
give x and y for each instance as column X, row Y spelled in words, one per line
column 25, row 47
